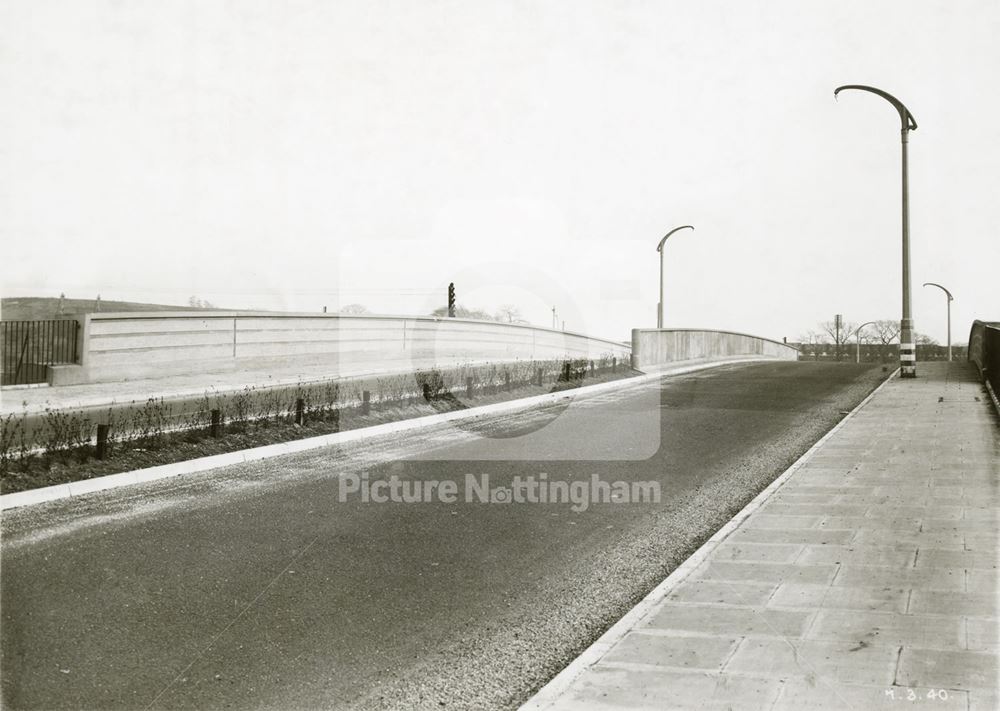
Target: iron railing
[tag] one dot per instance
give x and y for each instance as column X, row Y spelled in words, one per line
column 27, row 348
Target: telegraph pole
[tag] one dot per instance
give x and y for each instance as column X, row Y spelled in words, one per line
column 837, row 321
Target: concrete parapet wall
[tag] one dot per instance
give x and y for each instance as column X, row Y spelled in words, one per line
column 653, row 347
column 130, row 346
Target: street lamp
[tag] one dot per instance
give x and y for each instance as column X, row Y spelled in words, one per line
column 659, row 248
column 907, row 351
column 950, row 299
column 857, row 353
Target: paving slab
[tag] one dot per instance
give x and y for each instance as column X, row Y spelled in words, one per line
column 683, row 652
column 865, row 578
column 948, row 670
column 768, row 572
column 982, row 634
column 823, row 597
column 959, row 603
column 899, row 556
column 834, row 662
column 742, row 621
column 806, row 536
column 723, row 593
column 890, row 629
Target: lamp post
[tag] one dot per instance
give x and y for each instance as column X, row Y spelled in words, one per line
column 659, row 248
column 950, row 299
column 857, row 353
column 907, row 351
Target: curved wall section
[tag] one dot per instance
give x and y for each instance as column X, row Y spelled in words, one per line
column 652, row 347
column 131, row 346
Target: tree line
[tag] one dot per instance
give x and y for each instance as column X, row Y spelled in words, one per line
column 879, row 342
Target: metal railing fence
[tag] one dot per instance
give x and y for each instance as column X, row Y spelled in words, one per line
column 27, row 348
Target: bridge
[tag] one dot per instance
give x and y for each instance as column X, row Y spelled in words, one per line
column 327, row 571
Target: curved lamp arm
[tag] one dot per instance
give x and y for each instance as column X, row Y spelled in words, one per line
column 930, row 283
column 858, row 329
column 906, row 118
column 659, row 247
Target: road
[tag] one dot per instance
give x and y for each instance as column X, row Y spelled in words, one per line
column 256, row 588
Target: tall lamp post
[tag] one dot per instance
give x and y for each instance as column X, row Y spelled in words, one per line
column 659, row 248
column 950, row 299
column 857, row 352
column 907, row 351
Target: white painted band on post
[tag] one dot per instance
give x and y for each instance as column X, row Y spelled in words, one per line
column 906, row 346
column 907, row 356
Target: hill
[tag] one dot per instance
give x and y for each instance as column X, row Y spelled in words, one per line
column 31, row 308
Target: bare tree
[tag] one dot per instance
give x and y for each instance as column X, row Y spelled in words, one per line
column 508, row 313
column 886, row 331
column 200, row 303
column 463, row 312
column 354, row 310
column 838, row 338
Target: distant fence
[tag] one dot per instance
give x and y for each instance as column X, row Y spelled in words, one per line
column 30, row 347
column 127, row 346
column 653, row 347
column 984, row 351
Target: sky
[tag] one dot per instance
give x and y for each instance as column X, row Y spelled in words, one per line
column 301, row 154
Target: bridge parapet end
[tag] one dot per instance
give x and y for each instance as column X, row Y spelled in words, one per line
column 654, row 347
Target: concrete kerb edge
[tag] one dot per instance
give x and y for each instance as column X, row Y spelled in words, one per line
column 202, row 464
column 550, row 693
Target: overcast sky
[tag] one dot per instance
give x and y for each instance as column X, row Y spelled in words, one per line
column 301, row 154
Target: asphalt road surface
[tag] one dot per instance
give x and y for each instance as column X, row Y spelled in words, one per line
column 255, row 587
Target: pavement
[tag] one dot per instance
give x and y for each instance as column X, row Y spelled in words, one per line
column 865, row 578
